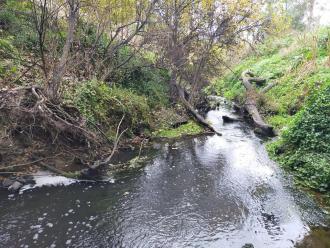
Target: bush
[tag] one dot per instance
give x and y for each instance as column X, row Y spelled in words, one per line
column 18, row 25
column 141, row 78
column 8, row 56
column 305, row 145
column 103, row 105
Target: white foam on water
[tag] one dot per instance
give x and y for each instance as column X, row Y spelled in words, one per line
column 43, row 178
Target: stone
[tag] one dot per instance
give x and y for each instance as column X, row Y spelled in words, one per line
column 248, row 246
column 228, row 119
column 89, row 173
column 26, row 180
column 7, row 182
column 15, row 186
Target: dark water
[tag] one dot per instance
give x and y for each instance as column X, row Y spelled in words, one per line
column 198, row 192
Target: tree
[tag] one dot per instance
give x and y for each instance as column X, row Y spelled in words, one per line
column 118, row 23
column 121, row 23
column 45, row 14
column 54, row 83
column 189, row 33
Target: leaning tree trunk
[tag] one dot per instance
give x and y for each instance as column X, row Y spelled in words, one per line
column 251, row 103
column 54, row 83
column 190, row 108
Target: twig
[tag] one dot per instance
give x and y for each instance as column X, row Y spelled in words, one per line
column 117, row 138
column 53, row 169
column 28, row 163
column 104, row 135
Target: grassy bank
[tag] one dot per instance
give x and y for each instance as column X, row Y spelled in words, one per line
column 297, row 106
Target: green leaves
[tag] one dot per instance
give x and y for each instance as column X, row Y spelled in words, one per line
column 191, row 128
column 105, row 106
column 305, row 145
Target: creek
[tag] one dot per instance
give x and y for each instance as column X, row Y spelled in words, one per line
column 206, row 191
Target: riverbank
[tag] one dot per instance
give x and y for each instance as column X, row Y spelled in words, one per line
column 295, row 70
column 208, row 190
column 36, row 142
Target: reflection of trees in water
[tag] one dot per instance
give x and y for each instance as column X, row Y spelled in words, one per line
column 181, row 190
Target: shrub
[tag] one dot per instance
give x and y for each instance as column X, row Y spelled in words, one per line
column 305, row 145
column 8, row 55
column 105, row 105
column 142, row 78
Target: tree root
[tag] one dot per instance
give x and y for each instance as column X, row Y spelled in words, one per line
column 32, row 120
column 27, row 108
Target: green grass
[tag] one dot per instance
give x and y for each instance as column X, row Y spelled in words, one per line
column 191, row 128
column 295, row 63
column 298, row 106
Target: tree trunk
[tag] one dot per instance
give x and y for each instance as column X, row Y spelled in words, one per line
column 251, row 104
column 54, row 83
column 180, row 93
column 173, row 88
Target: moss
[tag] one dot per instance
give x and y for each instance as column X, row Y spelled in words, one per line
column 191, row 128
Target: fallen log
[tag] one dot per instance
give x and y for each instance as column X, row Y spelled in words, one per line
column 267, row 88
column 195, row 114
column 251, row 104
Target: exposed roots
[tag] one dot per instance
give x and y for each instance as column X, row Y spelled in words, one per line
column 34, row 129
column 27, row 110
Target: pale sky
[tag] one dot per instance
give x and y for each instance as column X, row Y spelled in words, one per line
column 322, row 10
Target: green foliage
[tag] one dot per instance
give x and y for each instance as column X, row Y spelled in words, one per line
column 278, row 121
column 8, row 55
column 8, row 20
column 191, row 128
column 104, row 105
column 15, row 24
column 305, row 146
column 89, row 38
column 272, row 45
column 298, row 104
column 311, row 129
column 140, row 76
column 7, row 50
column 292, row 63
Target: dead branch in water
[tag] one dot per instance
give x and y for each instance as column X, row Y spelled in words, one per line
column 115, row 146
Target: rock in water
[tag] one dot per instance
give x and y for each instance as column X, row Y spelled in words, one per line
column 248, row 246
column 15, row 186
column 7, row 182
column 228, row 119
column 89, row 173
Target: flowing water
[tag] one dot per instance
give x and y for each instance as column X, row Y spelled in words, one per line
column 208, row 191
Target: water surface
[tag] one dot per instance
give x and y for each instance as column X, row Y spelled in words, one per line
column 209, row 191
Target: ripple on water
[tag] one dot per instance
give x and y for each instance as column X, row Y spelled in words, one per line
column 212, row 191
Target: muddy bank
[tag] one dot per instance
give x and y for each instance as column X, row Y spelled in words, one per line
column 37, row 134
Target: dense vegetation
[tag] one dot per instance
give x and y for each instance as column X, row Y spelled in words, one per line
column 297, row 106
column 138, row 90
